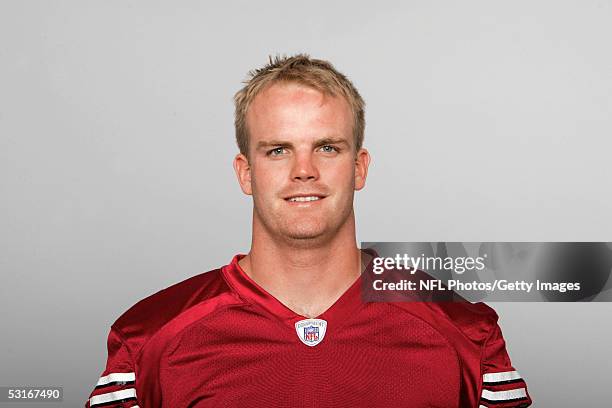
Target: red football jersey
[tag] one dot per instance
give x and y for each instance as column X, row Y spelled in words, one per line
column 220, row 340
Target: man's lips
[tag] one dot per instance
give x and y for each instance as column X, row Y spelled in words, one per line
column 304, row 197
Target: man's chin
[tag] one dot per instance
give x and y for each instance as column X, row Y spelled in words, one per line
column 306, row 237
column 304, row 234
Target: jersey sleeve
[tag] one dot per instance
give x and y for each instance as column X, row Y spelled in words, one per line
column 501, row 384
column 117, row 384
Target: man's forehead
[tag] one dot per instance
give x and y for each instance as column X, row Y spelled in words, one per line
column 292, row 114
column 282, row 94
column 298, row 104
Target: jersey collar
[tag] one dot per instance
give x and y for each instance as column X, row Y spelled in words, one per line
column 247, row 289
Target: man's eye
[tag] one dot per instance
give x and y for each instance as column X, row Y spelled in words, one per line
column 276, row 151
column 328, row 149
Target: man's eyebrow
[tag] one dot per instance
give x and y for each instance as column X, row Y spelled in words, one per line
column 331, row 140
column 283, row 143
column 269, row 143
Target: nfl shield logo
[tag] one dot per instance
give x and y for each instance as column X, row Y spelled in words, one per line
column 311, row 331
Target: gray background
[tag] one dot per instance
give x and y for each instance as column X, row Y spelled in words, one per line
column 487, row 121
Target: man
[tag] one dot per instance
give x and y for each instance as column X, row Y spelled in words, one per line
column 284, row 325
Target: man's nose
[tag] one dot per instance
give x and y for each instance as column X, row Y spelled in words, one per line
column 304, row 168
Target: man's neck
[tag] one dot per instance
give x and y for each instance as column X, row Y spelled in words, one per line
column 308, row 280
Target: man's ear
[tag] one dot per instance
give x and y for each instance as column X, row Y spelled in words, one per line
column 362, row 162
column 243, row 173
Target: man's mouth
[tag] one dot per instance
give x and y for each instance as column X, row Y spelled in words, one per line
column 304, row 199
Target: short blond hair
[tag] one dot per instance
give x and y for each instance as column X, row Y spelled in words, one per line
column 313, row 73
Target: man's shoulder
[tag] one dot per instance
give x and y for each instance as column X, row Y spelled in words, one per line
column 147, row 317
column 473, row 321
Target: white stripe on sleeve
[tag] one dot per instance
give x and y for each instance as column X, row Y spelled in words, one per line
column 500, row 377
column 116, row 377
column 498, row 396
column 112, row 396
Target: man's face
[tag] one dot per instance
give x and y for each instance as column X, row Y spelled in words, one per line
column 302, row 168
